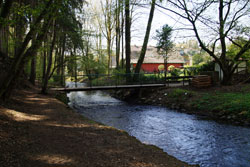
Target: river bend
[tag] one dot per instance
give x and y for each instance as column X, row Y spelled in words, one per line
column 183, row 136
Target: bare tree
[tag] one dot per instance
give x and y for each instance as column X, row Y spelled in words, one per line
column 226, row 26
column 108, row 11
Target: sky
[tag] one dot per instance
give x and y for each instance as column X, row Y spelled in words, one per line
column 162, row 17
column 141, row 18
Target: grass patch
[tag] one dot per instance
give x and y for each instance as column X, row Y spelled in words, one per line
column 178, row 93
column 234, row 103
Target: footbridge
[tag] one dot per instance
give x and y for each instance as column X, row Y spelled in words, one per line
column 123, row 81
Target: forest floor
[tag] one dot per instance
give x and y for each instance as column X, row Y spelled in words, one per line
column 38, row 130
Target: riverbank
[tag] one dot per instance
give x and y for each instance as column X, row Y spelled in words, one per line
column 38, row 130
column 228, row 104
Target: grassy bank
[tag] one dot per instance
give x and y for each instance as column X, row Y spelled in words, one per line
column 235, row 104
column 230, row 104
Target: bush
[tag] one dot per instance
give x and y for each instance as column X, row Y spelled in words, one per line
column 206, row 67
column 197, row 69
column 175, row 72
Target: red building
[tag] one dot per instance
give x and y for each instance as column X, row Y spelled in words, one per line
column 154, row 67
column 154, row 62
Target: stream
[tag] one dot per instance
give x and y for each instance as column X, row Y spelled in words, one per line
column 183, row 136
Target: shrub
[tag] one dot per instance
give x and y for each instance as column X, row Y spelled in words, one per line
column 197, row 69
column 206, row 67
column 175, row 72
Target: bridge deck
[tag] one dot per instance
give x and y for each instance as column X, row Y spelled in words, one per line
column 107, row 87
column 118, row 87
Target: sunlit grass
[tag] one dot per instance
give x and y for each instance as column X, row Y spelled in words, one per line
column 228, row 102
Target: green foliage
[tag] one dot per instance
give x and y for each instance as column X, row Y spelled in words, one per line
column 163, row 37
column 170, row 68
column 201, row 58
column 151, row 78
column 119, row 78
column 119, row 71
column 206, row 67
column 175, row 72
column 161, row 67
column 191, row 70
column 233, row 49
column 195, row 70
column 91, row 65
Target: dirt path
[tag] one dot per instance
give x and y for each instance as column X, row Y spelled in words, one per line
column 38, row 130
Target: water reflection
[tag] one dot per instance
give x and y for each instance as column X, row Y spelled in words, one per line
column 184, row 136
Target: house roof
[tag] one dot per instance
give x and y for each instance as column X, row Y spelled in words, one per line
column 152, row 56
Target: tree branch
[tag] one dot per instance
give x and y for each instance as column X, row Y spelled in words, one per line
column 236, row 17
column 230, row 39
column 228, row 10
column 171, row 11
column 221, row 30
column 57, row 66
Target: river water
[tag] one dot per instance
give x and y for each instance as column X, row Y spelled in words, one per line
column 183, row 136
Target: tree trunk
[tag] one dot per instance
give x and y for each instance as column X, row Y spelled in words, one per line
column 47, row 74
column 227, row 77
column 4, row 42
column 228, row 72
column 32, row 78
column 19, row 60
column 75, row 67
column 62, row 82
column 100, row 48
column 44, row 60
column 118, row 32
column 127, row 37
column 59, row 61
column 122, row 36
column 145, row 43
column 109, row 53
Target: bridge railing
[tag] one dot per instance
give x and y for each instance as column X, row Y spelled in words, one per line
column 121, row 79
column 129, row 79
